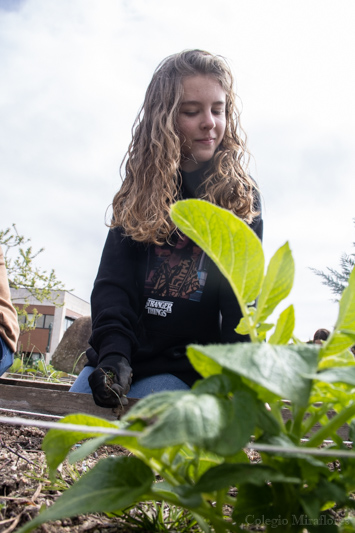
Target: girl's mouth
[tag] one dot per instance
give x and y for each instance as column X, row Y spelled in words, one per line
column 208, row 140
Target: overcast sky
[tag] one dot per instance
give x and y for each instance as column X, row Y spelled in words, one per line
column 73, row 74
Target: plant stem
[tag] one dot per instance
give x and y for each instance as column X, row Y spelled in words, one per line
column 297, row 423
column 335, row 423
column 313, row 419
column 276, row 411
column 201, row 513
column 220, row 501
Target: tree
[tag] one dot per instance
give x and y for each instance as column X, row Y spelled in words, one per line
column 23, row 274
column 336, row 280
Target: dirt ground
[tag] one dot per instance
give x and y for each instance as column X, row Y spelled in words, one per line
column 25, row 487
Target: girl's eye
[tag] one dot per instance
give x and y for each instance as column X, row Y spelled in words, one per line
column 190, row 113
column 218, row 111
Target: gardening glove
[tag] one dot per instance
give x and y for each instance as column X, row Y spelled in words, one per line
column 111, row 381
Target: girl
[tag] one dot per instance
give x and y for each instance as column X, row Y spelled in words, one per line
column 156, row 291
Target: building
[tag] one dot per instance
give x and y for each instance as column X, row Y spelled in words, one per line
column 51, row 325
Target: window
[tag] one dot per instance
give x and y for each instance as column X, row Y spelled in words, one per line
column 68, row 321
column 48, row 319
column 21, row 320
column 42, row 322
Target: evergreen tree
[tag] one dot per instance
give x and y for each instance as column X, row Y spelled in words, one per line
column 336, row 280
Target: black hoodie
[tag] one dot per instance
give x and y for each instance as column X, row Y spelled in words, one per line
column 149, row 301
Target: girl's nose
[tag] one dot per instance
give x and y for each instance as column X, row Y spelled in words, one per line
column 208, row 122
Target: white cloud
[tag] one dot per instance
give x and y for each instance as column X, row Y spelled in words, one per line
column 74, row 74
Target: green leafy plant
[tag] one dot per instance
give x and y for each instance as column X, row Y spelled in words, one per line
column 337, row 280
column 36, row 369
column 195, row 440
column 23, row 273
column 73, row 371
column 157, row 516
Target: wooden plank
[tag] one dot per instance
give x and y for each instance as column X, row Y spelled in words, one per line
column 55, row 399
column 35, row 383
column 55, row 402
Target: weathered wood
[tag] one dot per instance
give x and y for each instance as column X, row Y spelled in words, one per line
column 38, row 399
column 35, row 383
column 55, row 399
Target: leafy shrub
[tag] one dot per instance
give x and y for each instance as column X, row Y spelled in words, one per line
column 196, row 440
column 37, row 369
column 22, row 273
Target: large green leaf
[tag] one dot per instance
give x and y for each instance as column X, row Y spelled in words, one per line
column 231, row 244
column 215, row 424
column 148, row 455
column 345, row 358
column 325, row 491
column 266, row 421
column 284, row 327
column 180, row 495
column 343, row 336
column 186, row 460
column 87, row 448
column 58, row 442
column 17, row 365
column 216, row 384
column 227, row 474
column 206, row 366
column 113, row 484
column 152, row 406
column 277, row 283
column 283, row 370
column 243, row 412
column 342, row 374
column 253, row 503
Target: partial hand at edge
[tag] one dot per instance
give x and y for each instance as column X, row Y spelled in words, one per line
column 111, row 381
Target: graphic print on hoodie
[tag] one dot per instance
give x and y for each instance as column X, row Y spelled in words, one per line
column 178, row 271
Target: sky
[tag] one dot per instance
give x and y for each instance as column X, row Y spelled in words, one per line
column 73, row 74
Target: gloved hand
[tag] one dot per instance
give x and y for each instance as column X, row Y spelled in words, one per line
column 110, row 381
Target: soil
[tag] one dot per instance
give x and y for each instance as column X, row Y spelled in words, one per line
column 25, row 487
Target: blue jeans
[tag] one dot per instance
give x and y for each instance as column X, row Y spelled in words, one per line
column 6, row 356
column 139, row 389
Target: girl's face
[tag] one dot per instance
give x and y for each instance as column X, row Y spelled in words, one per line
column 201, row 120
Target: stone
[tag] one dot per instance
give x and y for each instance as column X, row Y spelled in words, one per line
column 69, row 356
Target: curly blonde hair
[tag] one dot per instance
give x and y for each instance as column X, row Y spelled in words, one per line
column 152, row 179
